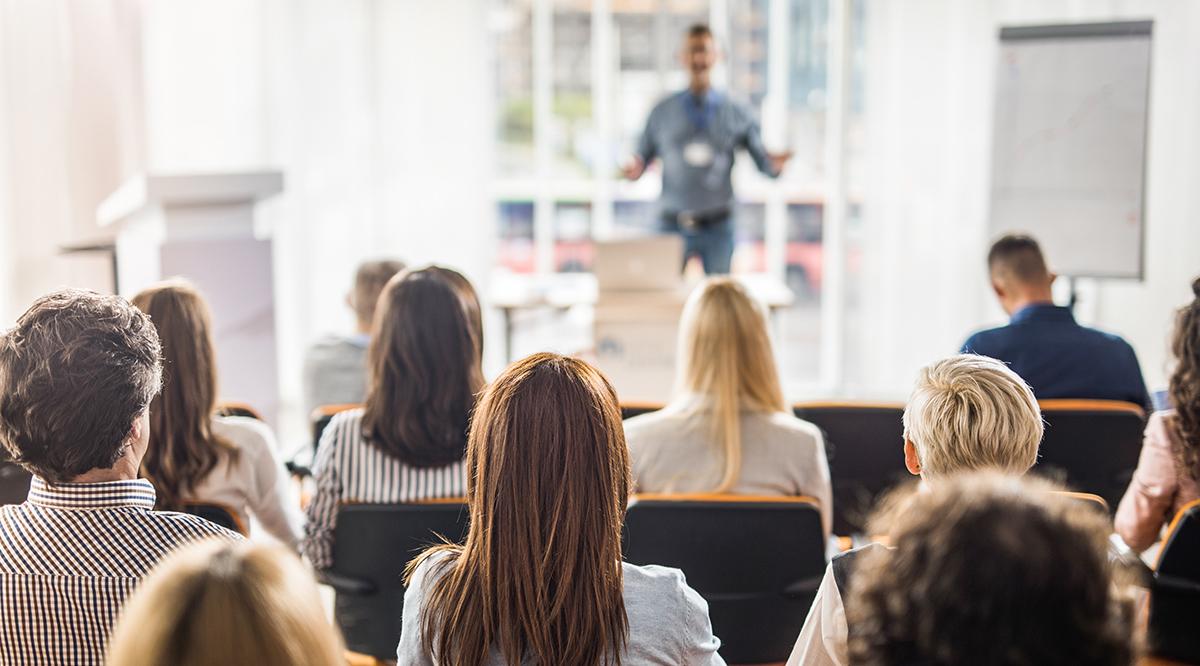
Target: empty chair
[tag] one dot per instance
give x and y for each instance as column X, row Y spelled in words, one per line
column 865, row 446
column 1091, row 445
column 373, row 544
column 757, row 561
column 1175, row 599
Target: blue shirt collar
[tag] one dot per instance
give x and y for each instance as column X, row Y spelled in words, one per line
column 1042, row 312
column 137, row 493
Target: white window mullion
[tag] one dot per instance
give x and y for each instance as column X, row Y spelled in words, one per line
column 775, row 135
column 833, row 249
column 543, row 110
column 604, row 171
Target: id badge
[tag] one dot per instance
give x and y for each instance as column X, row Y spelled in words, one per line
column 698, row 153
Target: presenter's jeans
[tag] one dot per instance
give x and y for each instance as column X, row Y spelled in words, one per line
column 713, row 243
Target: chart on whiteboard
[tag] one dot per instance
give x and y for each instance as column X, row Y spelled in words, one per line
column 1069, row 145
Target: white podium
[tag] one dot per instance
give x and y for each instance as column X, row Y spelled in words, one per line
column 201, row 227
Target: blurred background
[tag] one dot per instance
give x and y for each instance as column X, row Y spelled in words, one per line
column 487, row 135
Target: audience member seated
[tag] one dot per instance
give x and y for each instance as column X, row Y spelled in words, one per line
column 965, row 413
column 1169, row 468
column 540, row 577
column 729, row 429
column 195, row 455
column 217, row 604
column 1043, row 343
column 989, row 570
column 408, row 441
column 335, row 368
column 77, row 375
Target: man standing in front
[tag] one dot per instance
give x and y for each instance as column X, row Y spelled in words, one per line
column 77, row 375
column 1043, row 343
column 695, row 133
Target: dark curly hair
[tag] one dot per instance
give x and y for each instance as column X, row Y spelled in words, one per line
column 1185, row 383
column 989, row 570
column 75, row 373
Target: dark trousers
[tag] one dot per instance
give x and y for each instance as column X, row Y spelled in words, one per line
column 712, row 242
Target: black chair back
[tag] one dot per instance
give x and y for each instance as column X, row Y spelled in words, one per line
column 632, row 409
column 865, row 446
column 372, row 545
column 238, row 409
column 1175, row 595
column 756, row 561
column 217, row 514
column 1091, row 445
column 14, row 482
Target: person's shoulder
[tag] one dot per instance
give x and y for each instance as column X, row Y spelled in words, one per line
column 345, row 425
column 795, row 427
column 652, row 581
column 1111, row 339
column 243, row 431
column 843, row 565
column 737, row 104
column 334, row 349
column 648, row 422
column 185, row 528
column 1160, row 427
column 988, row 340
column 431, row 566
column 665, row 102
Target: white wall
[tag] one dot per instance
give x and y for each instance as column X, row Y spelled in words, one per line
column 929, row 100
column 70, row 131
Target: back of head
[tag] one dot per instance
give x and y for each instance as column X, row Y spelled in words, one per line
column 75, row 373
column 466, row 291
column 369, row 280
column 548, row 481
column 423, row 371
column 971, row 412
column 182, row 448
column 987, row 569
column 1185, row 382
column 216, row 603
column 726, row 363
column 1017, row 259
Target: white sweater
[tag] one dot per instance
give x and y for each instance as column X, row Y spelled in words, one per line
column 255, row 483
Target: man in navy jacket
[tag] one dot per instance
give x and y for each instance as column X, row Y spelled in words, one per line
column 1043, row 343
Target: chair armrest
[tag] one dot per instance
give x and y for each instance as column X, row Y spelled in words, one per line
column 298, row 470
column 347, row 584
column 1175, row 584
column 803, row 587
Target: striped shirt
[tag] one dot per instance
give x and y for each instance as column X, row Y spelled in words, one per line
column 350, row 470
column 70, row 555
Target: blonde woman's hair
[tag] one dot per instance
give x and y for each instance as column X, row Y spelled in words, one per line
column 970, row 412
column 215, row 602
column 726, row 363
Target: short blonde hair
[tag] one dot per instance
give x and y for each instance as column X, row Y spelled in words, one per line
column 970, row 412
column 217, row 602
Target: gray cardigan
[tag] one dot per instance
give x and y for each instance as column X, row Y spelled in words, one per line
column 668, row 621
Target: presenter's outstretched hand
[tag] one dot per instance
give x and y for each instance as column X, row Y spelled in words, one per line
column 779, row 160
column 634, row 168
